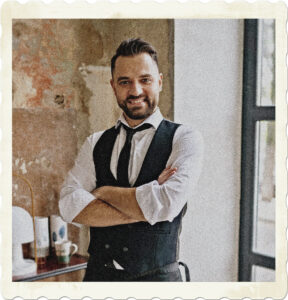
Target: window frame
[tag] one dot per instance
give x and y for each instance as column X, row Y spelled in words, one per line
column 251, row 113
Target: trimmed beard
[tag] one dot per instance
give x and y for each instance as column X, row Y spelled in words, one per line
column 129, row 112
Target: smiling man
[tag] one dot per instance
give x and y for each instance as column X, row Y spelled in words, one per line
column 131, row 183
column 136, row 83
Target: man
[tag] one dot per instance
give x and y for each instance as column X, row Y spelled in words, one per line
column 131, row 185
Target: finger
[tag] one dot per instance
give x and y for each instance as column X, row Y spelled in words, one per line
column 169, row 169
column 171, row 173
column 168, row 175
column 166, row 169
column 173, row 170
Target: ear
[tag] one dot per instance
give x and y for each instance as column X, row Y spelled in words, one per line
column 160, row 81
column 112, row 85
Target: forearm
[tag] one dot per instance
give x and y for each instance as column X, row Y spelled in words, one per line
column 100, row 214
column 164, row 202
column 123, row 199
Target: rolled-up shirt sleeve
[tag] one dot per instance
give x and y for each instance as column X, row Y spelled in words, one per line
column 164, row 202
column 76, row 190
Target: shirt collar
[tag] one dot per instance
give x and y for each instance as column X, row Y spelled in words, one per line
column 155, row 120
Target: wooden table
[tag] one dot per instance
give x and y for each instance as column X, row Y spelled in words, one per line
column 52, row 268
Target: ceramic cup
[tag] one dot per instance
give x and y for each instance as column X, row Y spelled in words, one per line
column 58, row 230
column 63, row 251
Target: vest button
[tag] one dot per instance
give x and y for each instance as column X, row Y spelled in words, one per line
column 107, row 246
column 125, row 249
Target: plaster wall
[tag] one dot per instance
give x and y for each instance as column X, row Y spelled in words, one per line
column 51, row 59
column 208, row 66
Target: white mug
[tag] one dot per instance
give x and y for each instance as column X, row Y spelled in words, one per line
column 58, row 229
column 63, row 251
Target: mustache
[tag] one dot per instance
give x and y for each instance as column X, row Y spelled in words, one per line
column 131, row 97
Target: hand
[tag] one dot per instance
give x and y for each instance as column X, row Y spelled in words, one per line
column 166, row 174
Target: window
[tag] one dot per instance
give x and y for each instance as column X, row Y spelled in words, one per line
column 257, row 206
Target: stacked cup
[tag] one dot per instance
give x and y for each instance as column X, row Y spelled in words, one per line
column 58, row 230
column 59, row 240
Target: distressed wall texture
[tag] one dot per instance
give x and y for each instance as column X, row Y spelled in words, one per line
column 54, row 59
column 38, row 138
column 61, row 94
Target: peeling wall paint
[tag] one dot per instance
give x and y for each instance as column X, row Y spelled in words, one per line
column 40, row 57
column 23, row 168
column 44, row 149
column 47, row 55
column 97, row 80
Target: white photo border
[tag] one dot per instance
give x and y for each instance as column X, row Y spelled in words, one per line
column 147, row 9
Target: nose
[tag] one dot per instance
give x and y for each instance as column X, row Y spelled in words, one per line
column 136, row 89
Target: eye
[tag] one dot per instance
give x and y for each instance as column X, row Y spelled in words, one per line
column 146, row 80
column 124, row 82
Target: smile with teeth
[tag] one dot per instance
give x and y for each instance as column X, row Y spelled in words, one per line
column 136, row 101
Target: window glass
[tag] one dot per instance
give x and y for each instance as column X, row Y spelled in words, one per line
column 262, row 274
column 264, row 193
column 266, row 63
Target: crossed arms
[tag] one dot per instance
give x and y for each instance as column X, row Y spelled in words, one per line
column 156, row 201
column 116, row 205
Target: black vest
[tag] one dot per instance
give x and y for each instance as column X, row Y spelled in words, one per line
column 137, row 247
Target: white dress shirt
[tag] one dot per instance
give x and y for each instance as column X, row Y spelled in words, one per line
column 157, row 202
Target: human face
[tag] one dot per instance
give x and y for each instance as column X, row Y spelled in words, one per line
column 136, row 83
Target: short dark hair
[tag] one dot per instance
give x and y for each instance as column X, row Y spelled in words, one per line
column 133, row 47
